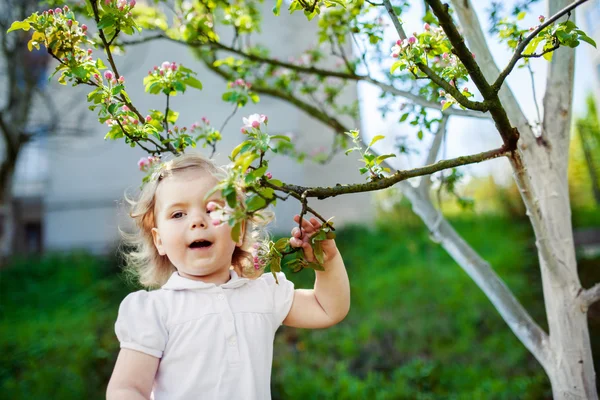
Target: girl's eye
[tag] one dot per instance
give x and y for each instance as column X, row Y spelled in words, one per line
column 178, row 214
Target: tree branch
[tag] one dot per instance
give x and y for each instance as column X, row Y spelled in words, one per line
column 438, row 80
column 421, row 101
column 591, row 295
column 325, row 192
column 519, row 50
column 471, row 28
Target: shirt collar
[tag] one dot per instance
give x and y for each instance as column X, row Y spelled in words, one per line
column 178, row 282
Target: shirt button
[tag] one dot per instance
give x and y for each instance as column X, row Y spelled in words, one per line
column 232, row 342
column 220, row 297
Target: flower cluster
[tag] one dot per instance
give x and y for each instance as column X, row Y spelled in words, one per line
column 239, row 83
column 166, row 68
column 122, row 5
column 218, row 214
column 257, row 260
column 147, row 163
column 253, row 122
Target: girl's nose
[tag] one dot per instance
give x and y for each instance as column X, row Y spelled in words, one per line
column 198, row 221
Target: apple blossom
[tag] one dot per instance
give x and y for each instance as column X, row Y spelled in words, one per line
column 121, row 79
column 254, row 120
column 426, row 26
column 268, row 175
column 108, row 75
column 148, row 118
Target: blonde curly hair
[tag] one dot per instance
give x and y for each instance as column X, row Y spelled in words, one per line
column 143, row 263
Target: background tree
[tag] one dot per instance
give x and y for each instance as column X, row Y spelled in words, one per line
column 431, row 70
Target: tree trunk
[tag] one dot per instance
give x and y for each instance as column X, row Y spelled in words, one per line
column 540, row 170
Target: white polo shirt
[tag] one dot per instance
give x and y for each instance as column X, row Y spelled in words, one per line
column 214, row 342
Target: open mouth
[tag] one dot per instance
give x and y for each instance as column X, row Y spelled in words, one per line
column 200, row 244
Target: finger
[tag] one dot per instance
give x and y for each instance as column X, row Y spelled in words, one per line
column 308, row 252
column 296, row 232
column 315, row 223
column 295, row 242
column 307, row 226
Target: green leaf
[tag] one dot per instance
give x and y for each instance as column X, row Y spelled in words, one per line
column 446, row 105
column 379, row 159
column 193, row 82
column 318, row 251
column 282, row 137
column 236, row 231
column 237, row 149
column 404, row 117
column 106, row 21
column 587, row 39
column 277, row 7
column 255, row 203
column 172, row 117
column 19, row 25
column 420, row 134
column 376, row 139
column 521, row 15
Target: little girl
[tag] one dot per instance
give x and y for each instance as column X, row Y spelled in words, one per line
column 207, row 332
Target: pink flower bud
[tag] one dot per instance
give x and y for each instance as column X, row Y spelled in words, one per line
column 442, row 93
column 174, row 66
column 165, row 65
column 264, row 118
column 268, row 175
column 193, row 126
column 399, row 42
column 205, row 120
column 211, row 206
column 114, row 81
column 84, row 27
column 90, row 51
column 443, row 102
column 162, row 72
column 135, row 122
column 412, row 40
column 541, row 18
column 243, row 130
column 125, row 108
column 58, row 10
column 445, row 56
column 51, row 12
column 473, row 54
column 132, row 3
column 97, row 77
column 107, row 2
column 66, row 8
column 466, row 89
column 426, row 26
column 121, row 79
column 108, row 75
column 148, row 118
column 69, row 22
column 255, row 124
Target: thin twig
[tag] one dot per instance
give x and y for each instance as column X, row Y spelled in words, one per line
column 521, row 47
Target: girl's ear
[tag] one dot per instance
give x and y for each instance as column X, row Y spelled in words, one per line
column 157, row 241
column 240, row 241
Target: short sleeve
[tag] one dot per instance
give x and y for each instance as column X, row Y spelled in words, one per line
column 140, row 325
column 283, row 295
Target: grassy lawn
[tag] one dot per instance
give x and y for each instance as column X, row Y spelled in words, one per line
column 419, row 328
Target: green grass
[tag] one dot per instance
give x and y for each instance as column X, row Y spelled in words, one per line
column 419, row 328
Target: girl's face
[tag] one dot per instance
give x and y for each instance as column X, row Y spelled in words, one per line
column 184, row 230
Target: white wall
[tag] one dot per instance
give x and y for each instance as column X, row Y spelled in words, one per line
column 89, row 176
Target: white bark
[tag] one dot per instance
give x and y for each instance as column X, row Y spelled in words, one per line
column 540, row 169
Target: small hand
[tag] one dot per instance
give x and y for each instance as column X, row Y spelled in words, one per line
column 302, row 239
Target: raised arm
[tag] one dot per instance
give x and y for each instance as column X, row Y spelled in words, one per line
column 329, row 302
